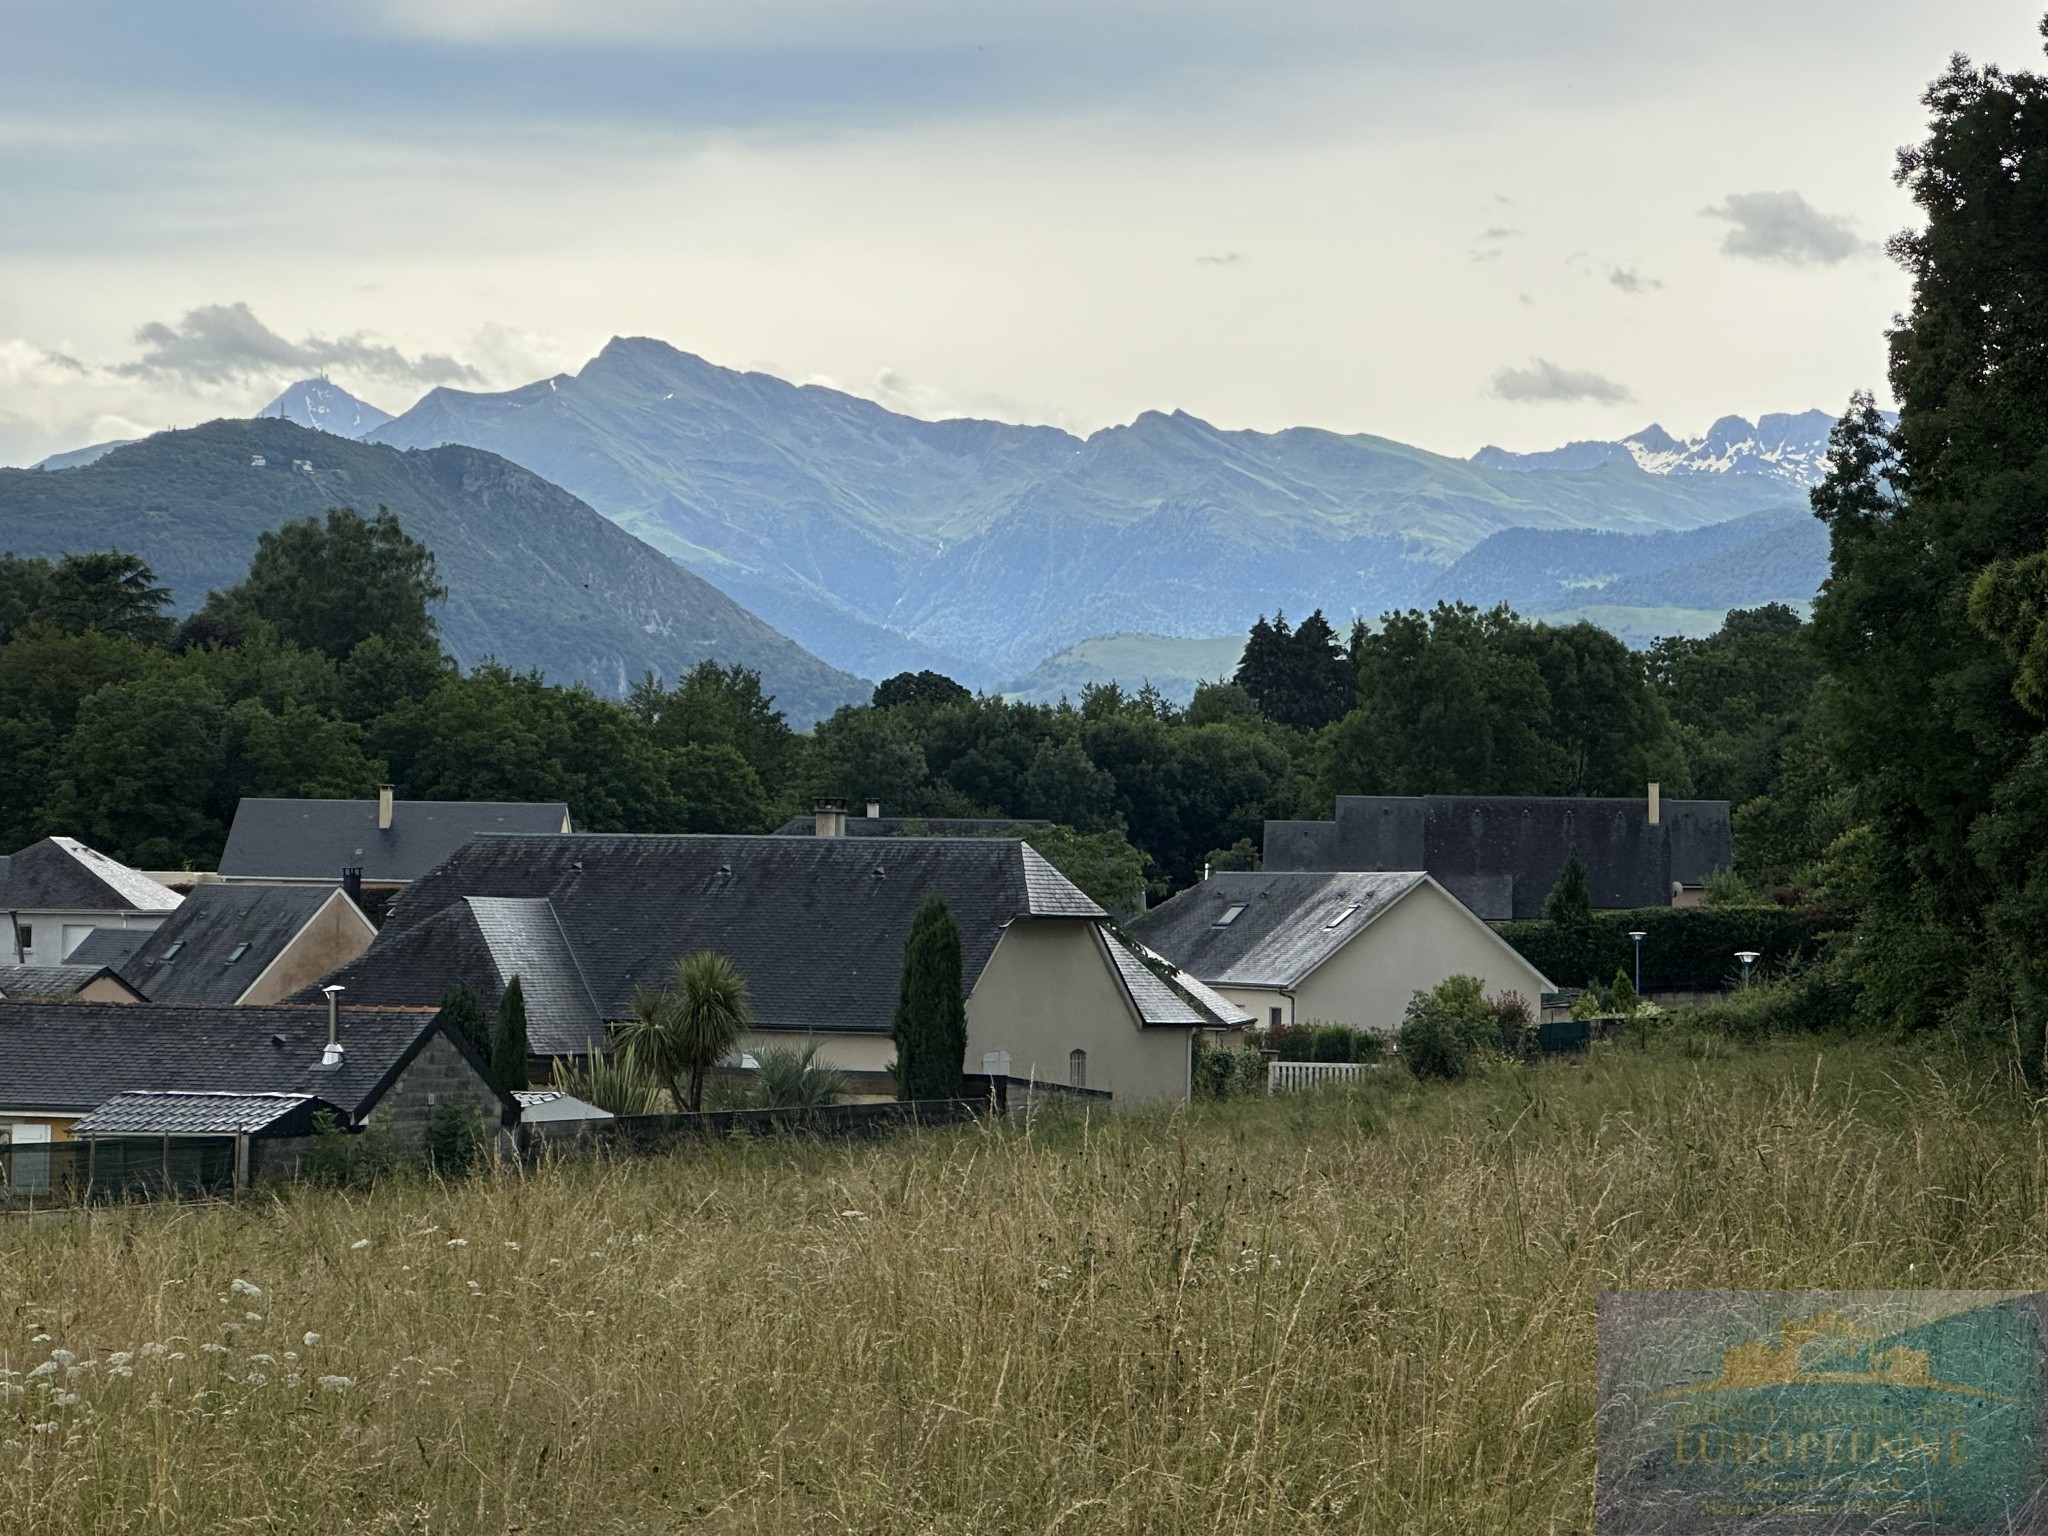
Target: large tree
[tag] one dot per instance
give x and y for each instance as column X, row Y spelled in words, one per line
column 329, row 587
column 931, row 1012
column 1928, row 715
column 1299, row 677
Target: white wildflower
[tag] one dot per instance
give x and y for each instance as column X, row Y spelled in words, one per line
column 47, row 1368
column 63, row 1357
column 263, row 1359
column 639, row 1237
column 242, row 1287
column 121, row 1357
column 556, row 1263
column 310, row 1340
column 9, row 1389
column 48, row 1428
column 336, row 1383
column 428, row 1231
column 12, row 1445
column 512, row 1245
column 178, row 1354
column 291, row 1354
column 64, row 1399
column 252, row 1317
column 151, row 1351
column 359, row 1245
column 41, row 1338
column 855, row 1215
column 458, row 1242
column 255, row 1378
column 121, row 1372
column 73, row 1372
column 213, row 1349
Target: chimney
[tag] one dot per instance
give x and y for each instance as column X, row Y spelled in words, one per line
column 384, row 808
column 331, row 1057
column 352, row 884
column 874, row 810
column 1656, row 802
column 831, row 820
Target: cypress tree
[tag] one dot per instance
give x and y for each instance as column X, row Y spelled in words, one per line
column 1570, row 902
column 508, row 1050
column 931, row 1014
column 463, row 1012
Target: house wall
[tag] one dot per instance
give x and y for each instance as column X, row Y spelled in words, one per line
column 440, row 1074
column 55, row 933
column 1260, row 1002
column 105, row 989
column 335, row 935
column 1049, row 989
column 1423, row 938
column 24, row 1125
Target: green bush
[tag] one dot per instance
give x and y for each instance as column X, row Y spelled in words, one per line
column 1446, row 1026
column 1221, row 1072
column 1814, row 997
column 343, row 1158
column 456, row 1138
column 1685, row 949
column 1323, row 1042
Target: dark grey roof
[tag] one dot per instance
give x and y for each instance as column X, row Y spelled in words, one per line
column 111, row 947
column 915, row 826
column 318, row 839
column 197, row 956
column 67, row 1058
column 1291, row 922
column 61, row 873
column 816, row 924
column 202, row 1114
column 67, row 980
column 1163, row 994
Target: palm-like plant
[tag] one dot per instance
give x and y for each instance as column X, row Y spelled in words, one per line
column 790, row 1078
column 692, row 1024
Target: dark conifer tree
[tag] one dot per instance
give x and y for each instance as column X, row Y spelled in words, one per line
column 931, row 1013
column 508, row 1048
column 463, row 1012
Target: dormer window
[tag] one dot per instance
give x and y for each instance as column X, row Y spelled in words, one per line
column 1230, row 914
column 237, row 952
column 1342, row 918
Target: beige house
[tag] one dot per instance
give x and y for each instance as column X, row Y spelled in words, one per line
column 57, row 893
column 238, row 944
column 817, row 926
column 1332, row 947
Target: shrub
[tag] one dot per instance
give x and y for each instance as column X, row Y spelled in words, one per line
column 1445, row 1026
column 618, row 1081
column 456, row 1138
column 1514, row 1025
column 342, row 1158
column 1223, row 1072
column 1686, row 949
column 1814, row 997
column 788, row 1077
column 1323, row 1042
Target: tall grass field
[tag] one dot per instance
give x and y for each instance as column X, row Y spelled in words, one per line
column 1353, row 1311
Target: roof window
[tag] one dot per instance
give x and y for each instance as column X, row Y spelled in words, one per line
column 237, row 952
column 1342, row 917
column 171, row 949
column 1231, row 914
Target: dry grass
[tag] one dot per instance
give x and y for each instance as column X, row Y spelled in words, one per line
column 1343, row 1313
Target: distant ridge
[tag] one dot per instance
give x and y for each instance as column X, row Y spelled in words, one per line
column 1792, row 449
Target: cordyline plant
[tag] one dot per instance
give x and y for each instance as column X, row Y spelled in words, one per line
column 686, row 1028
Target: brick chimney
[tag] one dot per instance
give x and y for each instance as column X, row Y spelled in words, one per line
column 384, row 808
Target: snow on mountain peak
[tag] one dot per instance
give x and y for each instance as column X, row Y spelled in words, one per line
column 326, row 407
column 1786, row 447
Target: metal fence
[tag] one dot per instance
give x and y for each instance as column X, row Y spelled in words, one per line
column 52, row 1173
column 1291, row 1076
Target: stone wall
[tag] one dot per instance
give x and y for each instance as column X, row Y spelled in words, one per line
column 440, row 1074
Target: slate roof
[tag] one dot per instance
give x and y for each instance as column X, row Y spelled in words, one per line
column 62, row 874
column 484, row 941
column 68, row 1058
column 110, row 947
column 201, row 1114
column 67, row 980
column 816, row 924
column 318, row 839
column 197, row 956
column 914, row 826
column 1293, row 921
column 1164, row 994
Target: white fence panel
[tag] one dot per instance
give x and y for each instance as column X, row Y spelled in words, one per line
column 1288, row 1076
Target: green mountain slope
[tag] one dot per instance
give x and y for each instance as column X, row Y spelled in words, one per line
column 1172, row 664
column 535, row 577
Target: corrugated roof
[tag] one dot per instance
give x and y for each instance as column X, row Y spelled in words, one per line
column 1287, row 923
column 816, row 925
column 212, row 949
column 318, row 839
column 61, row 873
column 194, row 1114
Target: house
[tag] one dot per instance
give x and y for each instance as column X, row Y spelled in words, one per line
column 244, row 944
column 61, row 1061
column 56, row 892
column 830, row 821
column 1502, row 854
column 389, row 842
column 817, row 926
column 1300, row 947
column 89, row 983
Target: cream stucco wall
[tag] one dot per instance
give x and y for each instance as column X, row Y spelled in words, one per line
column 841, row 1052
column 1424, row 937
column 1050, row 989
column 333, row 936
column 54, row 934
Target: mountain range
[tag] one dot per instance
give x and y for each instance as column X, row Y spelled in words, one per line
column 535, row 577
column 1792, row 449
column 884, row 542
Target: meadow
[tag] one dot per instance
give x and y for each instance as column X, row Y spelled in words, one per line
column 1357, row 1311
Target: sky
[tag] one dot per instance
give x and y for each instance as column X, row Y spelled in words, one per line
column 1447, row 222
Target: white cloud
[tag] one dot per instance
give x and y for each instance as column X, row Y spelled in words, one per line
column 1544, row 382
column 1785, row 227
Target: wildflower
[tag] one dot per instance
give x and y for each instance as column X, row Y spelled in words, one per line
column 73, row 1372
column 49, row 1428
column 336, row 1383
column 213, row 1349
column 458, row 1242
column 64, row 1399
column 556, row 1263
column 12, row 1445
column 255, row 1378
column 41, row 1338
column 151, row 1351
column 47, row 1368
column 252, row 1317
column 639, row 1237
column 63, row 1357
column 310, row 1340
column 9, row 1389
column 428, row 1231
column 121, row 1372
column 359, row 1245
column 291, row 1354
column 242, row 1287
column 855, row 1215
column 512, row 1245
column 179, row 1354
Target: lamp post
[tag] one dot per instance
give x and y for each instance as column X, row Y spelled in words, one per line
column 1748, row 957
column 1638, row 935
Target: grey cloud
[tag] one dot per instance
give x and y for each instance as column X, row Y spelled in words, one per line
column 1544, row 381
column 226, row 343
column 1628, row 280
column 1785, row 227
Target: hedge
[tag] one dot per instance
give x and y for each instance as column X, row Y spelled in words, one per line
column 1685, row 949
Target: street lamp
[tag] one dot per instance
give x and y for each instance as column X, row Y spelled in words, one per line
column 1638, row 935
column 1748, row 957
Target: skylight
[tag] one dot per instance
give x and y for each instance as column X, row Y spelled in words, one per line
column 237, row 952
column 1230, row 915
column 171, row 949
column 1342, row 917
